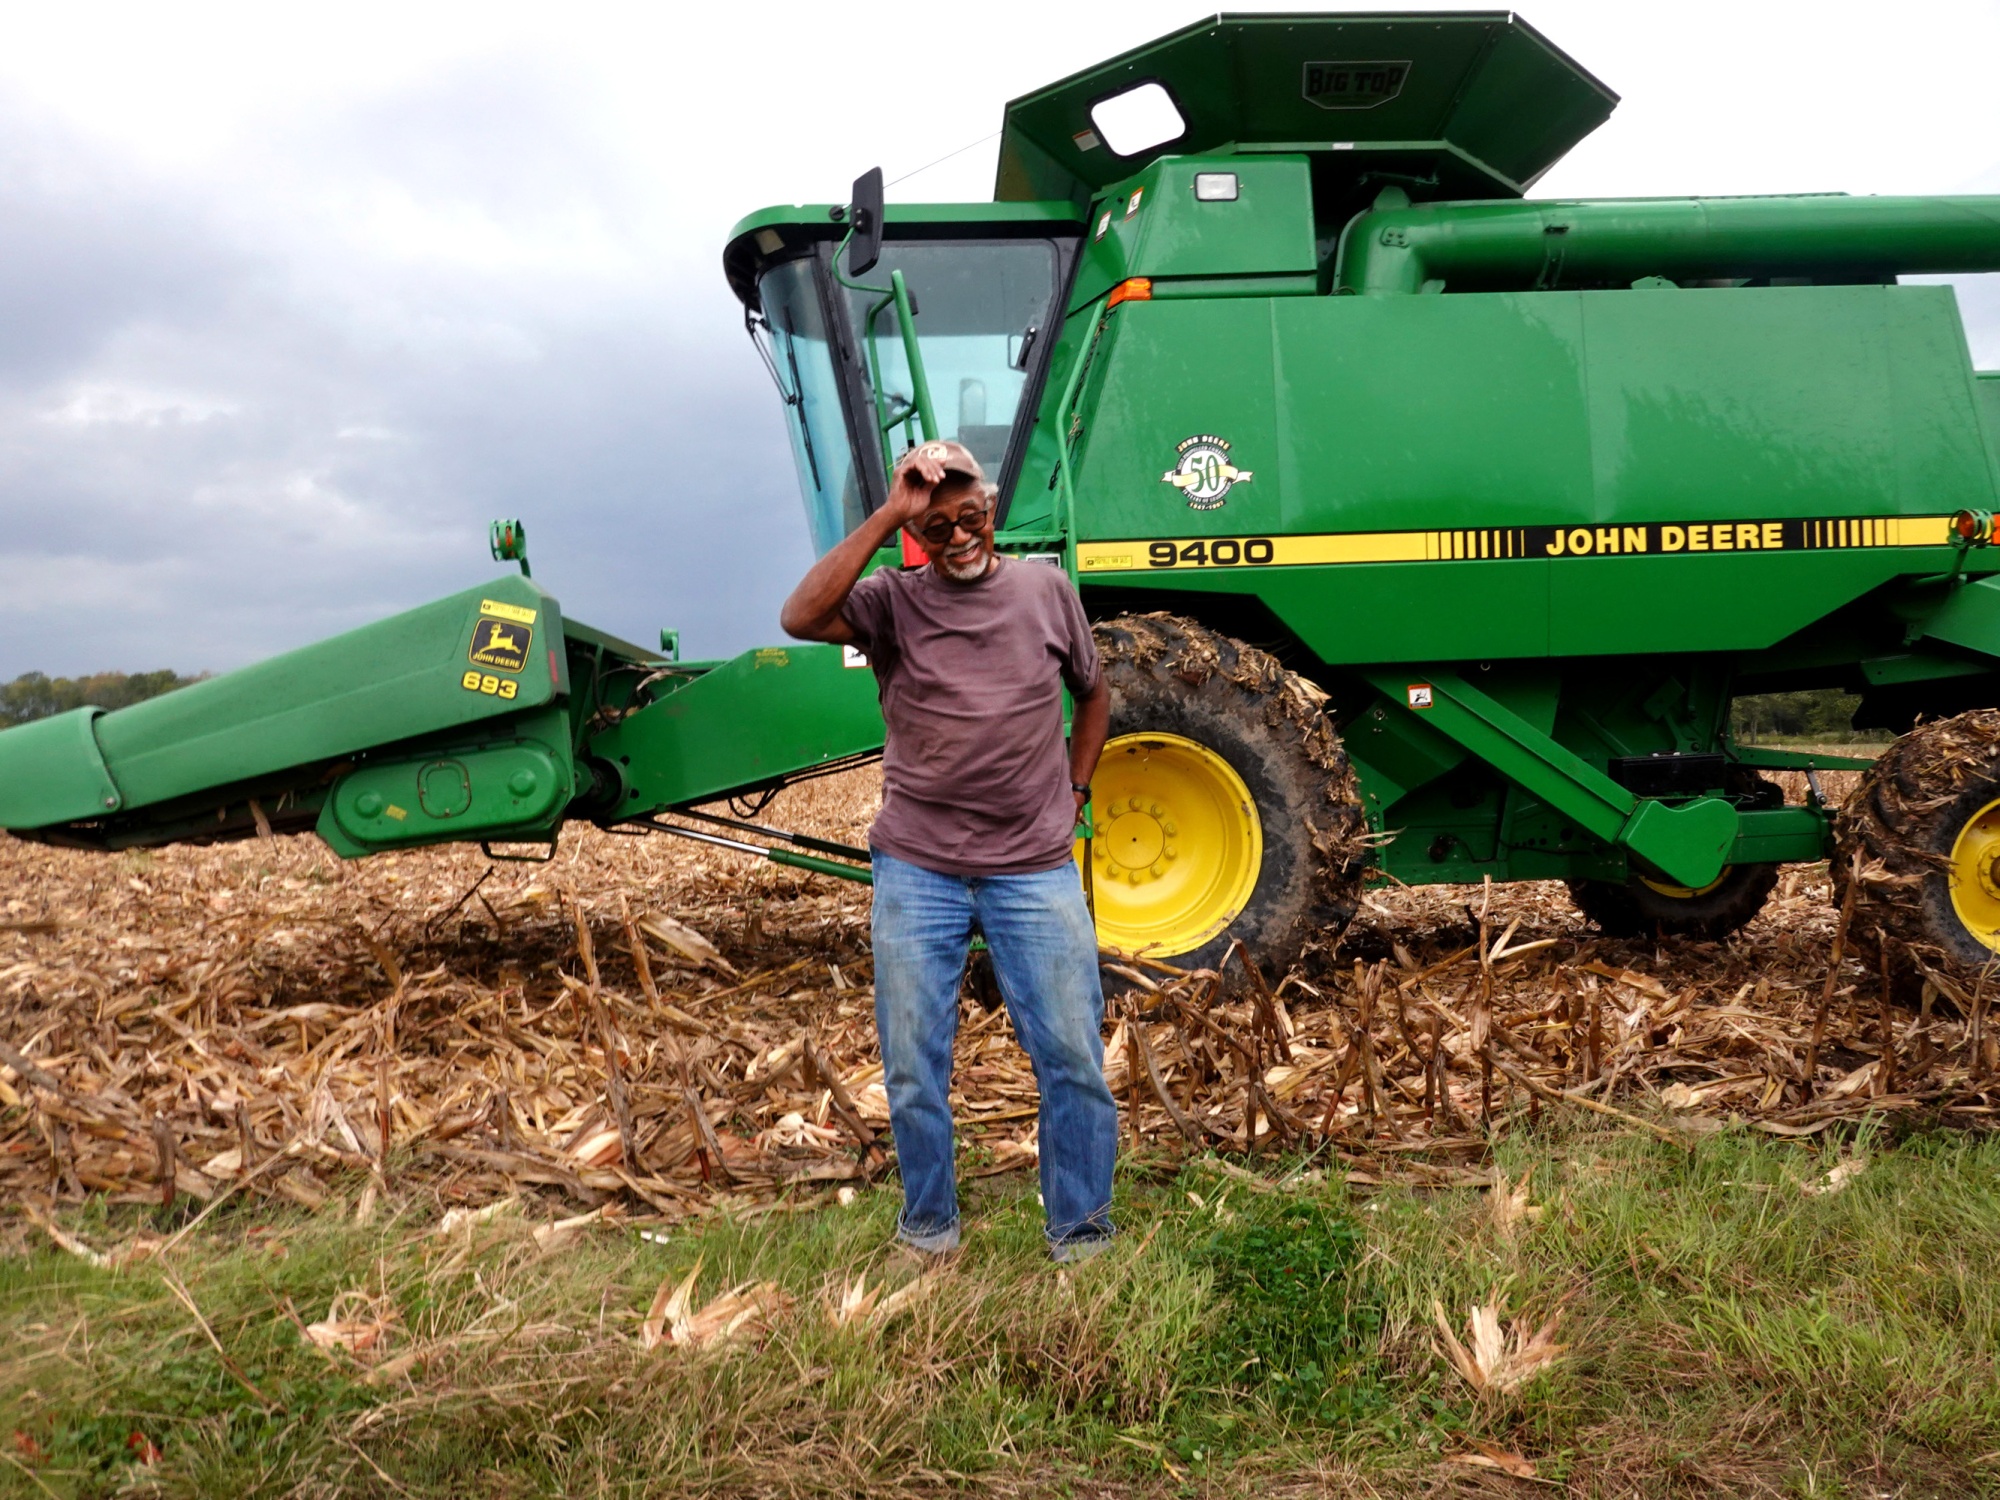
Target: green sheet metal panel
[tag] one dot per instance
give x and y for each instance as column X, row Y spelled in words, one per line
column 1763, row 405
column 511, row 790
column 1969, row 618
column 1431, row 412
column 1781, row 401
column 768, row 713
column 1351, row 415
column 1986, row 387
column 1165, row 373
column 1357, row 419
column 51, row 771
column 448, row 663
column 1360, row 613
column 1463, row 449
column 1154, row 226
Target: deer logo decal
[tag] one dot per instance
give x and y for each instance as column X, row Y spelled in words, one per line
column 501, row 645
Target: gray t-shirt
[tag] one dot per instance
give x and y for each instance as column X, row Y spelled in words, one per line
column 975, row 778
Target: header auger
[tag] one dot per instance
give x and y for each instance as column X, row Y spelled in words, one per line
column 1430, row 527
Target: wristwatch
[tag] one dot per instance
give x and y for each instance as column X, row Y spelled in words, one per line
column 1081, row 788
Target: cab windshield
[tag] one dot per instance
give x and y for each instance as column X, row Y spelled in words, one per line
column 982, row 308
column 803, row 361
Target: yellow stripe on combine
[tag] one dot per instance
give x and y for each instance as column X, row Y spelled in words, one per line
column 1658, row 539
column 1919, row 531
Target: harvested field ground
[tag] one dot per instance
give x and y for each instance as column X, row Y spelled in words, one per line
column 241, row 1089
column 656, row 1024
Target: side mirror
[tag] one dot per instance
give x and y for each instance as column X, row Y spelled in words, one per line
column 864, row 212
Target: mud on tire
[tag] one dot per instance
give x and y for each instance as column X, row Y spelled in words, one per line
column 1903, row 819
column 1169, row 675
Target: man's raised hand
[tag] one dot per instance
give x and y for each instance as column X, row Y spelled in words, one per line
column 910, row 490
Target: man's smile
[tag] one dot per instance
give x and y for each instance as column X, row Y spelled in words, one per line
column 966, row 562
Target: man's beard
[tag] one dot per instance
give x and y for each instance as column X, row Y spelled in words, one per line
column 968, row 569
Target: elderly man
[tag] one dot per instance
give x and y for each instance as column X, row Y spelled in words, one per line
column 979, row 808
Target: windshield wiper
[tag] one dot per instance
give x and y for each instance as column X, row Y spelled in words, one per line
column 762, row 338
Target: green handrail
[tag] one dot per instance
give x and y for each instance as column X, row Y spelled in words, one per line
column 920, row 383
column 1066, row 491
column 896, row 293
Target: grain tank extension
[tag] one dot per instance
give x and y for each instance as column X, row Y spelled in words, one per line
column 1431, row 529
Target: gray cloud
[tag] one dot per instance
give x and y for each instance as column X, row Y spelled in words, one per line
column 270, row 382
column 225, row 430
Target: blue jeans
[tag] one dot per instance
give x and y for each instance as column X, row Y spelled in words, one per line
column 1045, row 956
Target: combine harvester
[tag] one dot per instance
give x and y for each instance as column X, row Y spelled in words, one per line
column 1428, row 527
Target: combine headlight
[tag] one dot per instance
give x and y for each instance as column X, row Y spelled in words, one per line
column 1215, row 187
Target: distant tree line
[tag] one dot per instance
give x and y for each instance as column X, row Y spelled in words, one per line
column 1825, row 714
column 36, row 695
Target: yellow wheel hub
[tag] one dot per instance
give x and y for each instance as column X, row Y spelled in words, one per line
column 1178, row 844
column 1684, row 892
column 1975, row 884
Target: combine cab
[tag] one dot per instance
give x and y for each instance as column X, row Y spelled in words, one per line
column 1429, row 526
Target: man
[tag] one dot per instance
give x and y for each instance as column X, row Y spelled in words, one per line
column 979, row 805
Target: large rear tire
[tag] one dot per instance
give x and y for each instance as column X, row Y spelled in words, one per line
column 1224, row 802
column 1925, row 822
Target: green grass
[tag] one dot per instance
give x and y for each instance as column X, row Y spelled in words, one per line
column 1726, row 1333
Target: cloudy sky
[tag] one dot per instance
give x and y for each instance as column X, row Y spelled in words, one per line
column 293, row 299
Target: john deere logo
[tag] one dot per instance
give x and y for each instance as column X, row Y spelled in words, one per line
column 1354, row 85
column 1204, row 473
column 500, row 644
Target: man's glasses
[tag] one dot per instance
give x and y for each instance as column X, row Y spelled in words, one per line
column 938, row 532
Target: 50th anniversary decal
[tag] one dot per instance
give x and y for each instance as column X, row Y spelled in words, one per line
column 1678, row 538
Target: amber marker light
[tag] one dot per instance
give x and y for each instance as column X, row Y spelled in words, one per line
column 1135, row 289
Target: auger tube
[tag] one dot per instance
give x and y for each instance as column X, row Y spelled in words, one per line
column 1544, row 245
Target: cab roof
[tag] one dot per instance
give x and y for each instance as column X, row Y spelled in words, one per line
column 778, row 232
column 1449, row 105
column 1481, row 98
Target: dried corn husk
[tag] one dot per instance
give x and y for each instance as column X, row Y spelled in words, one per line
column 1497, row 1361
column 261, row 1018
column 358, row 1323
column 742, row 1312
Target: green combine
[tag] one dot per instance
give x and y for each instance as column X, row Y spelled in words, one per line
column 1432, row 529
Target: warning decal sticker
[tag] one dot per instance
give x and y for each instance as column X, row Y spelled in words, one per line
column 501, row 611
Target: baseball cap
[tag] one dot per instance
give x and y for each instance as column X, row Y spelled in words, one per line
column 954, row 455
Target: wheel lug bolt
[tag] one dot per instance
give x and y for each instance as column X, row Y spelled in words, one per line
column 1170, row 828
column 1159, row 869
column 1171, row 852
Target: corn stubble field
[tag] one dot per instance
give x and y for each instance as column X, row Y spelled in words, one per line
column 422, row 1175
